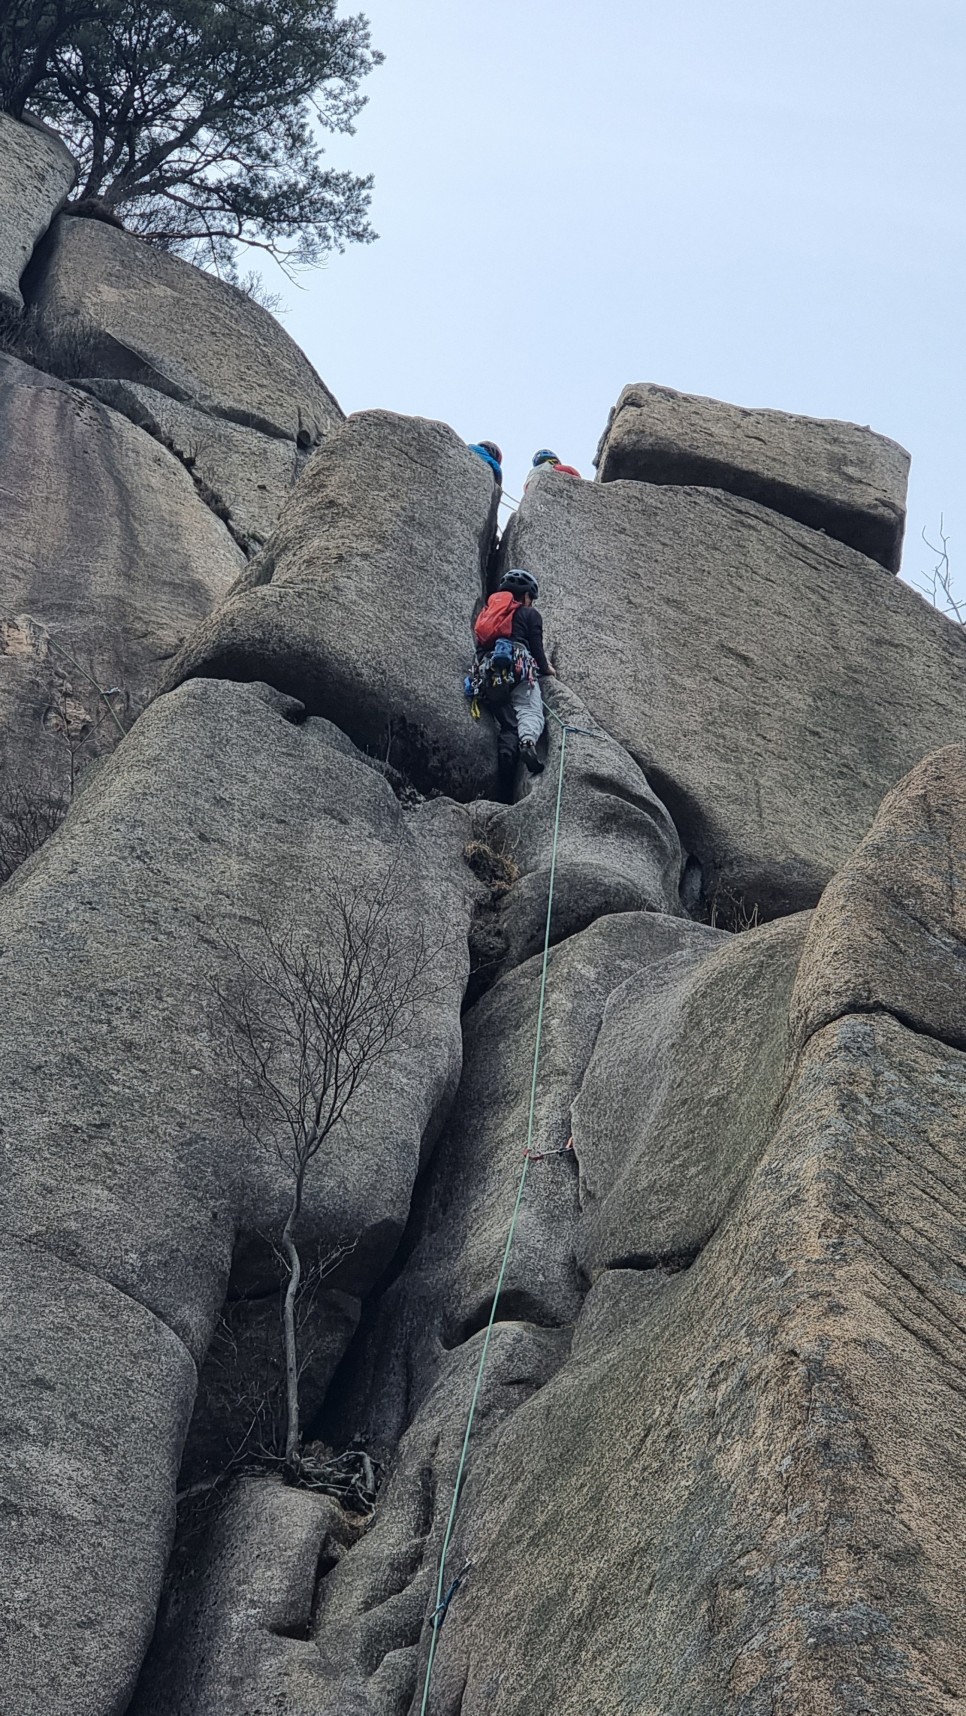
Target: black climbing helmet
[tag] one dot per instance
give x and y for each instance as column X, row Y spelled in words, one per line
column 493, row 450
column 520, row 584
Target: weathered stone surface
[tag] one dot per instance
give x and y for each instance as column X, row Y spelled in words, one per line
column 889, row 934
column 107, row 550
column 772, row 684
column 764, row 1465
column 366, row 594
column 134, row 1167
column 443, row 1295
column 145, row 316
column 274, row 1615
column 681, row 1094
column 760, row 1455
column 36, row 174
column 833, row 476
column 95, row 1398
column 244, row 475
column 617, row 851
column 233, row 1629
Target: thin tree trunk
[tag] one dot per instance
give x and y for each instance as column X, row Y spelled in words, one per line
column 293, row 1428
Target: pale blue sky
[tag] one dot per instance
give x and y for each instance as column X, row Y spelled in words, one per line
column 756, row 199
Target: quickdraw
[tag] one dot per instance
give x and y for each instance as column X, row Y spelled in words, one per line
column 542, row 1155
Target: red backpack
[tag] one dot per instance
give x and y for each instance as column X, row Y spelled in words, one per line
column 496, row 619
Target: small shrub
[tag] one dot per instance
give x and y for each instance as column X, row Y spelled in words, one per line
column 732, row 912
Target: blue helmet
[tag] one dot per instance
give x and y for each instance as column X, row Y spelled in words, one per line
column 545, row 457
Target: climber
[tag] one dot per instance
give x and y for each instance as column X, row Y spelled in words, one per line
column 544, row 461
column 510, row 656
column 490, row 453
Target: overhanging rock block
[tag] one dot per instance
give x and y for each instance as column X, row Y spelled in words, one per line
column 832, row 476
column 36, row 174
column 365, row 595
column 135, row 313
column 772, row 683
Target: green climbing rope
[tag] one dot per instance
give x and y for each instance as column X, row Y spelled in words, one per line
column 481, row 1367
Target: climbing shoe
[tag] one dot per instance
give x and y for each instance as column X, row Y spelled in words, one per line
column 531, row 760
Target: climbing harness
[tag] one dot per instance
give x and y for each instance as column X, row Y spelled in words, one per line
column 529, row 1155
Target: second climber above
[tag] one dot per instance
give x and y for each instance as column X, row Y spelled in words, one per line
column 544, row 461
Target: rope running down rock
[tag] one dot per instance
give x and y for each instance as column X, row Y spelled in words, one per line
column 442, row 1604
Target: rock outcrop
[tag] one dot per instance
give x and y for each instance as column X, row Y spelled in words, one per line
column 215, row 811
column 110, row 558
column 772, row 684
column 738, row 1442
column 243, row 475
column 716, row 1460
column 361, row 603
column 146, row 316
column 36, row 175
column 191, row 358
column 832, row 476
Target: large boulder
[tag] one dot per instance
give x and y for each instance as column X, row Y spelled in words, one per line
column 672, row 1111
column 36, row 174
column 136, row 1170
column 443, row 1296
column 761, row 1458
column 94, row 1403
column 890, row 930
column 233, row 1628
column 772, row 683
column 758, row 1448
column 832, row 476
column 109, row 559
column 360, row 604
column 136, row 313
column 243, row 475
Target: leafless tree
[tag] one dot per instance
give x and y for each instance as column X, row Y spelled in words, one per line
column 937, row 584
column 309, row 1016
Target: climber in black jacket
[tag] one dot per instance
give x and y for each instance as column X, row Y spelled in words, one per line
column 521, row 721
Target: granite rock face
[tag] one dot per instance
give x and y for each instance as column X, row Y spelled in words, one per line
column 134, row 1174
column 770, row 682
column 717, row 1461
column 617, row 848
column 832, row 476
column 756, row 1447
column 109, row 559
column 443, row 1296
column 890, row 929
column 364, row 596
column 36, row 175
column 145, row 316
column 94, row 1404
column 243, row 475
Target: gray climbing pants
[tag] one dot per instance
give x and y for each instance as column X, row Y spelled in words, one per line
column 528, row 710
